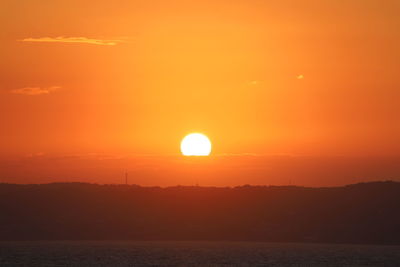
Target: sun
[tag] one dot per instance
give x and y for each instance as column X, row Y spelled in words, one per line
column 196, row 144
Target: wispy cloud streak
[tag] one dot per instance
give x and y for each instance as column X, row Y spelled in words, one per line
column 35, row 90
column 79, row 40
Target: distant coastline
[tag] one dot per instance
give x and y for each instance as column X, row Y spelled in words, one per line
column 365, row 213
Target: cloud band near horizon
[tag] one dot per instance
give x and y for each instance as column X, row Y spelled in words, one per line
column 79, row 40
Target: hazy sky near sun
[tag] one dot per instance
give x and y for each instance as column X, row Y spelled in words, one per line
column 265, row 77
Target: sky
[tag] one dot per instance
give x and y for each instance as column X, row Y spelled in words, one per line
column 303, row 92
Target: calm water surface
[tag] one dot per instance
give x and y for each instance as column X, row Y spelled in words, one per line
column 113, row 253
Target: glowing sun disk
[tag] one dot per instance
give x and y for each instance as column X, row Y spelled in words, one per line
column 196, row 144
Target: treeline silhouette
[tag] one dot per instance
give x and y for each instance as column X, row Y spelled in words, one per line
column 359, row 213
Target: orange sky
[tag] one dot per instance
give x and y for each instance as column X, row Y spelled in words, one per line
column 313, row 79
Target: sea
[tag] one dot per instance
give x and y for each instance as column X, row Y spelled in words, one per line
column 183, row 253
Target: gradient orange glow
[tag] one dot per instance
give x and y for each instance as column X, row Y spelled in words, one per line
column 314, row 79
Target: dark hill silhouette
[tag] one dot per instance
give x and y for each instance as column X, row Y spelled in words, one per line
column 359, row 213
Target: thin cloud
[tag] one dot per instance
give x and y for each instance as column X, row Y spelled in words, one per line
column 79, row 40
column 35, row 90
column 254, row 83
column 237, row 155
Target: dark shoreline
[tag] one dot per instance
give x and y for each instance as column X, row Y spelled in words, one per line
column 366, row 213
